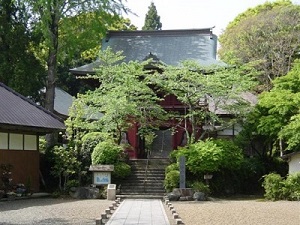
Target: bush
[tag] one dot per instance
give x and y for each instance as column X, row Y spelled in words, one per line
column 199, row 186
column 172, row 180
column 211, row 155
column 107, row 153
column 121, row 170
column 71, row 183
column 173, row 166
column 291, row 188
column 273, row 184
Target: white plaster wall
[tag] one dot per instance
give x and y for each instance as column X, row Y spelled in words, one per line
column 294, row 164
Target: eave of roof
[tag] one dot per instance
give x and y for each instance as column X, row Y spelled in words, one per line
column 19, row 111
column 286, row 156
column 175, row 32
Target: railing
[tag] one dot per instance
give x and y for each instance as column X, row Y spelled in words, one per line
column 146, row 171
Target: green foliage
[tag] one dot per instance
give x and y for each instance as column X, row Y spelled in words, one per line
column 106, row 153
column 79, row 43
column 199, row 186
column 72, row 183
column 172, row 180
column 273, row 184
column 191, row 83
column 266, row 37
column 277, row 113
column 277, row 188
column 152, row 19
column 109, row 153
column 124, row 98
column 203, row 156
column 47, row 16
column 90, row 141
column 232, row 154
column 65, row 164
column 211, row 156
column 291, row 189
column 19, row 68
column 121, row 170
column 173, row 166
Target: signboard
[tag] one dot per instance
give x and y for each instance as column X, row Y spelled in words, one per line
column 101, row 168
column 102, row 177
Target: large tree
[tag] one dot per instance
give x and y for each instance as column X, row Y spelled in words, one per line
column 123, row 99
column 277, row 114
column 266, row 36
column 204, row 91
column 152, row 19
column 19, row 68
column 80, row 40
column 50, row 13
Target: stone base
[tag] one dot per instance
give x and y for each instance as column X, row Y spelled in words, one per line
column 181, row 194
column 85, row 193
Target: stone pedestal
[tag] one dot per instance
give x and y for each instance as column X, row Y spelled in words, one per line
column 111, row 192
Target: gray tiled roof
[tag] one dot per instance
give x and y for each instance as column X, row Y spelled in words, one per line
column 18, row 112
column 62, row 102
column 170, row 46
column 248, row 97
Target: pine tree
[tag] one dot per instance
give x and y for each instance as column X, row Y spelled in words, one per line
column 152, row 19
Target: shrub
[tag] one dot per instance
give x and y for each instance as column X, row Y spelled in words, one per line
column 291, row 188
column 273, row 184
column 211, row 156
column 107, row 153
column 172, row 180
column 200, row 187
column 173, row 166
column 71, row 183
column 121, row 170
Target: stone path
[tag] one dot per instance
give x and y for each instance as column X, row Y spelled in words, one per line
column 139, row 212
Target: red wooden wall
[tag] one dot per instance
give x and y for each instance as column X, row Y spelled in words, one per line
column 25, row 166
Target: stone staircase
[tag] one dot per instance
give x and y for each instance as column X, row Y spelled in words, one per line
column 146, row 179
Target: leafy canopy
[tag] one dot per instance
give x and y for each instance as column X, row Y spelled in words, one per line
column 277, row 112
column 204, row 91
column 267, row 37
column 211, row 155
column 123, row 98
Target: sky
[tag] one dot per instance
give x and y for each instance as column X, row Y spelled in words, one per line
column 192, row 14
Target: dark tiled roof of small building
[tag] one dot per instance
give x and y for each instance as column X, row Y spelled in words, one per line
column 20, row 113
column 170, row 46
column 62, row 102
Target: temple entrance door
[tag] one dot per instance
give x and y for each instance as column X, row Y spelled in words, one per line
column 162, row 144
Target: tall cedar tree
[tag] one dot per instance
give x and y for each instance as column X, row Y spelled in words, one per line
column 152, row 19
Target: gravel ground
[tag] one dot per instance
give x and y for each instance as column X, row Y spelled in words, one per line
column 217, row 212
column 236, row 212
column 51, row 211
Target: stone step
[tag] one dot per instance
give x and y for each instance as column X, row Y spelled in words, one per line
column 148, row 171
column 140, row 196
column 140, row 183
column 142, row 191
column 138, row 186
column 149, row 176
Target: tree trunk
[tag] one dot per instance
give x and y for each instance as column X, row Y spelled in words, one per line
column 52, row 66
column 50, row 85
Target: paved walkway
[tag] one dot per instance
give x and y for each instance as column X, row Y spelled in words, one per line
column 139, row 212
